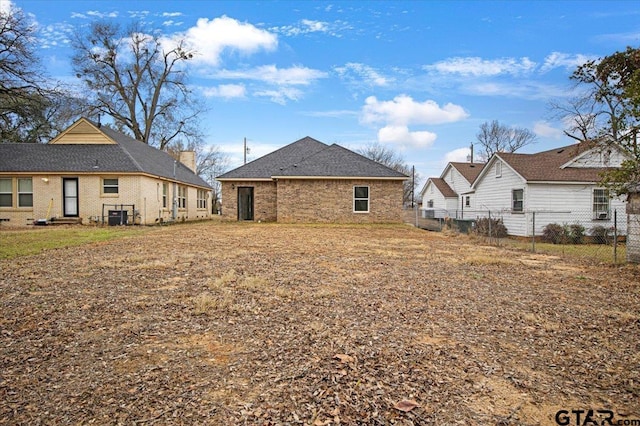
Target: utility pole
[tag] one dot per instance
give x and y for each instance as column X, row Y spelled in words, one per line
column 413, row 184
column 245, row 150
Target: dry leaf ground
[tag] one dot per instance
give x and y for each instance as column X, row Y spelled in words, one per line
column 266, row 324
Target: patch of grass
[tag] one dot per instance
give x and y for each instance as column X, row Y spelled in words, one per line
column 599, row 252
column 17, row 243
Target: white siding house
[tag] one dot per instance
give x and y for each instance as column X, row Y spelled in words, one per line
column 450, row 195
column 556, row 186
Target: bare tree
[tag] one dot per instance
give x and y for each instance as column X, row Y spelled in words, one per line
column 29, row 108
column 139, row 81
column 210, row 162
column 496, row 137
column 383, row 155
column 606, row 111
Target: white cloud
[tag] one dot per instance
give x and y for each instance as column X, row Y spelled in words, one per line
column 281, row 95
column 403, row 110
column 565, row 60
column 360, row 72
column 294, row 76
column 546, row 130
column 211, row 38
column 477, row 67
column 172, row 23
column 402, row 136
column 226, row 91
column 307, row 26
column 171, row 14
column 5, row 6
column 457, row 155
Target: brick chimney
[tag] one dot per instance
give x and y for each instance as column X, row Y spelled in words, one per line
column 188, row 158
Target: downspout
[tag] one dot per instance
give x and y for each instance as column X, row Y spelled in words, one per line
column 174, row 210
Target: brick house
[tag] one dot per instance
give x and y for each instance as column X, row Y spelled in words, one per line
column 308, row 181
column 89, row 171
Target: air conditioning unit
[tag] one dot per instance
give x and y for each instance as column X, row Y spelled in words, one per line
column 602, row 215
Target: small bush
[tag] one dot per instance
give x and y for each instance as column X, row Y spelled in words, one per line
column 601, row 235
column 554, row 233
column 576, row 233
column 497, row 228
column 563, row 234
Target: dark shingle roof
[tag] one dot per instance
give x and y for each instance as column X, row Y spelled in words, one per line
column 265, row 167
column 126, row 156
column 443, row 187
column 311, row 158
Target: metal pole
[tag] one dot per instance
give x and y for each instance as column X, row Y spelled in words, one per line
column 245, row 150
column 533, row 233
column 615, row 237
column 174, row 210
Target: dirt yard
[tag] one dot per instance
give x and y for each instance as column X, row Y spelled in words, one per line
column 265, row 324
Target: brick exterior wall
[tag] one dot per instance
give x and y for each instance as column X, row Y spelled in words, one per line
column 142, row 191
column 316, row 201
column 331, row 201
column 264, row 200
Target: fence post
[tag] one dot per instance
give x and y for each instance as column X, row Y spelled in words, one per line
column 533, row 233
column 490, row 238
column 615, row 237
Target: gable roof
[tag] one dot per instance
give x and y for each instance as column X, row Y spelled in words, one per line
column 469, row 171
column 547, row 166
column 124, row 155
column 309, row 158
column 443, row 187
column 265, row 166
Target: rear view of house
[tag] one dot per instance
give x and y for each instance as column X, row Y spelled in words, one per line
column 309, row 181
column 90, row 173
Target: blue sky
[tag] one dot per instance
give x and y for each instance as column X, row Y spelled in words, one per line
column 417, row 76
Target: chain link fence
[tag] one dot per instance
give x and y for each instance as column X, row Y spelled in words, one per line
column 600, row 236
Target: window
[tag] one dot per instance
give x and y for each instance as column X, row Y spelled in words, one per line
column 110, row 186
column 25, row 192
column 517, row 197
column 202, row 199
column 6, row 193
column 498, row 169
column 24, row 195
column 361, row 199
column 467, row 201
column 430, row 204
column 165, row 194
column 182, row 197
column 601, row 204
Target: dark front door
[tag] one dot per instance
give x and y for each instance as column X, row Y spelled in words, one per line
column 245, row 203
column 70, row 197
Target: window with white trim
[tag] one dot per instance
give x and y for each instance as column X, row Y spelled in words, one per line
column 25, row 192
column 361, row 199
column 182, row 197
column 601, row 204
column 467, row 201
column 202, row 199
column 165, row 194
column 498, row 169
column 6, row 192
column 110, row 186
column 517, row 200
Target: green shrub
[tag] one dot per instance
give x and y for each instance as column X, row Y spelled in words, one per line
column 601, row 235
column 563, row 234
column 576, row 233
